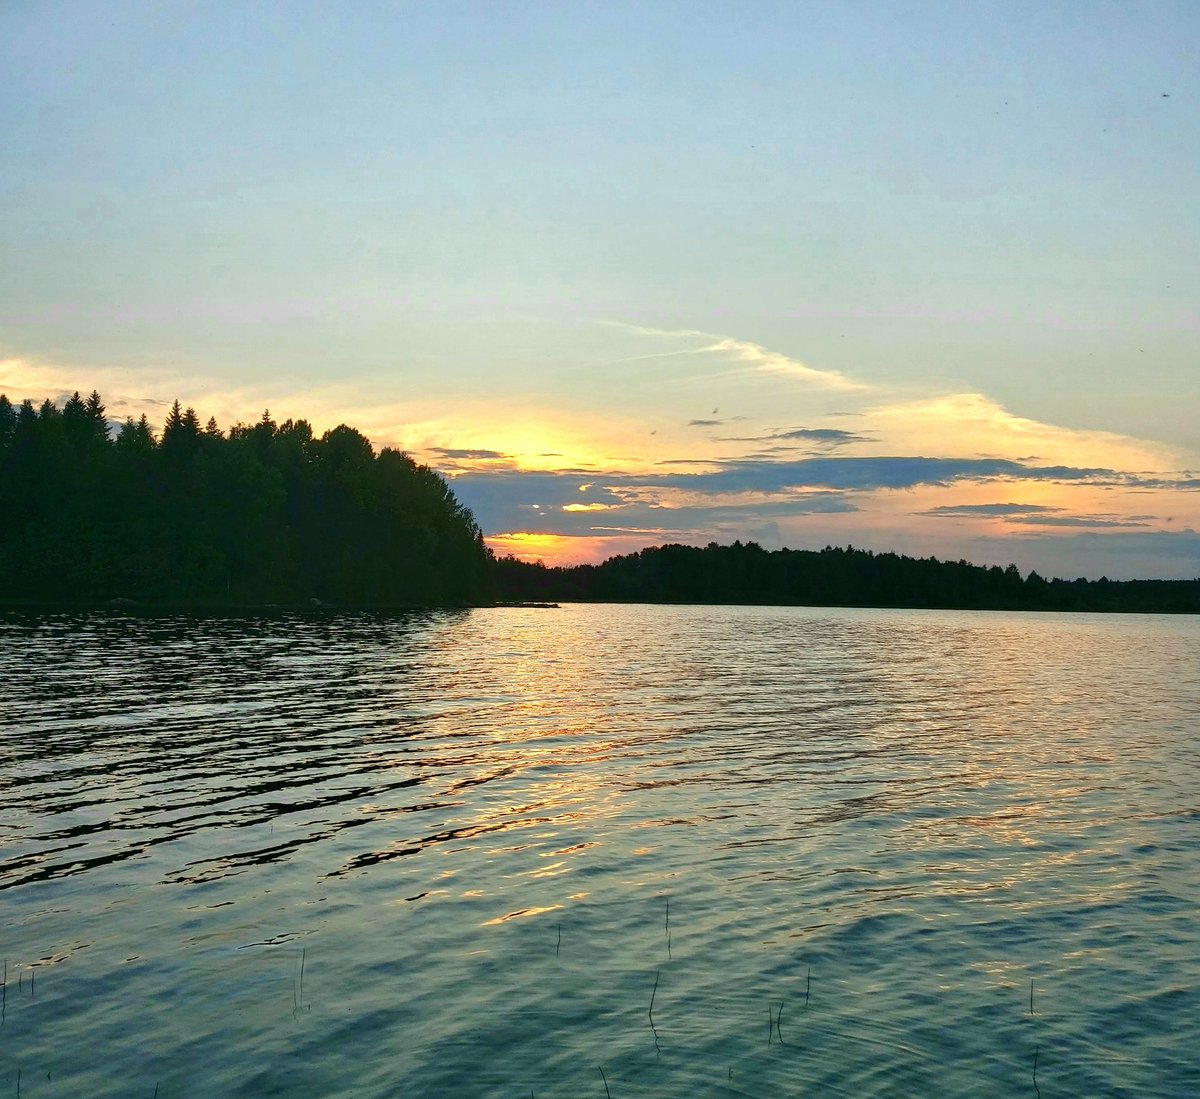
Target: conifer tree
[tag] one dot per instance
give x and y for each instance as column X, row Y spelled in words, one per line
column 96, row 414
column 136, row 435
column 181, row 430
column 74, row 409
column 264, row 513
column 173, row 422
column 8, row 420
column 76, row 421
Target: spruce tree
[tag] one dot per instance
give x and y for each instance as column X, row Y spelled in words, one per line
column 96, row 415
column 8, row 421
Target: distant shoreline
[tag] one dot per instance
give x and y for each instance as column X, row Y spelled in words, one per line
column 746, row 574
column 135, row 607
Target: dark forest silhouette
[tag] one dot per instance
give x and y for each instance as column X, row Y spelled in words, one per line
column 265, row 513
column 269, row 513
column 747, row 573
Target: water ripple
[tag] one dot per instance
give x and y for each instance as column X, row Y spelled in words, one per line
column 464, row 845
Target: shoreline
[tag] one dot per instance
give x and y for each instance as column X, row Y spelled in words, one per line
column 134, row 607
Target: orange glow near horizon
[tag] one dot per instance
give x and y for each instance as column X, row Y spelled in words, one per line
column 558, row 549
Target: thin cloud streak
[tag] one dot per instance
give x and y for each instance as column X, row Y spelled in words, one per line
column 774, row 362
column 760, row 359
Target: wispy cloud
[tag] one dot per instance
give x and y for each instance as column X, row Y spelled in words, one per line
column 475, row 455
column 775, row 362
column 820, row 436
column 1034, row 515
column 1098, row 522
column 974, row 511
column 755, row 356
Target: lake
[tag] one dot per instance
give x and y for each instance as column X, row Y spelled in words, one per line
column 600, row 851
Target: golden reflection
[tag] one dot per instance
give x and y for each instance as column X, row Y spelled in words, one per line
column 529, row 765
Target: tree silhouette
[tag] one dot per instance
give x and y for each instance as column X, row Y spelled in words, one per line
column 267, row 513
column 746, row 573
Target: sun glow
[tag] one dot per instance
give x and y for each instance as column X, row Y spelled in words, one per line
column 558, row 549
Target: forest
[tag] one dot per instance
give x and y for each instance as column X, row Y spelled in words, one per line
column 269, row 513
column 264, row 513
column 744, row 572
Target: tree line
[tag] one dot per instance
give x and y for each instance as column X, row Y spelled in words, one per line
column 746, row 573
column 263, row 513
column 271, row 513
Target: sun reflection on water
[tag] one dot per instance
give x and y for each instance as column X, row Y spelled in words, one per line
column 889, row 822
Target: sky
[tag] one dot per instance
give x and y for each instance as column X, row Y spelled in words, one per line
column 921, row 277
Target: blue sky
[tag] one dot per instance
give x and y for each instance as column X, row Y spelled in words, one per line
column 922, row 277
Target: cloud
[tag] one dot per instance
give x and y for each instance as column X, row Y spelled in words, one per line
column 605, row 466
column 825, row 436
column 1189, row 484
column 567, row 503
column 976, row 510
column 770, row 487
column 868, row 473
column 1126, row 555
column 1097, row 521
column 697, row 522
column 1040, row 515
column 481, row 455
column 759, row 358
column 974, row 424
column 822, row 435
column 775, row 362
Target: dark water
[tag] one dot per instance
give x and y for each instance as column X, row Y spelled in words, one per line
column 466, row 853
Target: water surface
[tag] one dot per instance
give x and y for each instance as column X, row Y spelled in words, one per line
column 464, row 853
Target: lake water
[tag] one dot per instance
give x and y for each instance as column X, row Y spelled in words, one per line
column 836, row 852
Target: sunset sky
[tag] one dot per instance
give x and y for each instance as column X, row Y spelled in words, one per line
column 920, row 277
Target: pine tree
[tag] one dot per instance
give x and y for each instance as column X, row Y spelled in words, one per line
column 96, row 415
column 74, row 410
column 136, row 435
column 181, row 430
column 8, row 421
column 174, row 421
